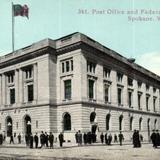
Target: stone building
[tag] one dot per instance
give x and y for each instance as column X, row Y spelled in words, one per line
column 75, row 83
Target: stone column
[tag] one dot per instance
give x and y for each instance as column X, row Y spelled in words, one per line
column 3, row 89
column 17, row 86
column 35, row 76
column 21, row 87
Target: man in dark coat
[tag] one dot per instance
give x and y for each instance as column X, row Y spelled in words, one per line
column 157, row 138
column 79, row 138
column 85, row 138
column 42, row 139
column 19, row 138
column 11, row 139
column 61, row 139
column 36, row 139
column 109, row 139
column 121, row 138
column 153, row 138
column 46, row 139
column 1, row 139
column 76, row 137
column 51, row 139
column 31, row 140
column 106, row 138
column 102, row 137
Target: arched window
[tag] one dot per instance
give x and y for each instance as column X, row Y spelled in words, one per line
column 107, row 121
column 92, row 117
column 155, row 124
column 140, row 124
column 67, row 122
column 120, row 122
column 9, row 126
column 27, row 125
column 131, row 124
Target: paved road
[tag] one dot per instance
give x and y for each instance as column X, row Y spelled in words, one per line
column 94, row 152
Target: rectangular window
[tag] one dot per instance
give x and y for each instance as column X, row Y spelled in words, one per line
column 154, row 104
column 36, row 124
column 139, row 101
column 106, row 93
column 119, row 96
column 154, row 90
column 28, row 72
column 12, row 96
column 130, row 82
column 147, row 103
column 67, row 66
column 147, row 87
column 91, row 67
column 30, row 93
column 91, row 89
column 119, row 77
column 62, row 67
column 139, row 84
column 130, row 99
column 106, row 73
column 10, row 77
column 67, row 89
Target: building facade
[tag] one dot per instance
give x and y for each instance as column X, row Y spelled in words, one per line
column 75, row 83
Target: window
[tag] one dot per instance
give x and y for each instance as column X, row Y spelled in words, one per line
column 147, row 87
column 28, row 72
column 140, row 124
column 16, row 125
column 106, row 93
column 139, row 101
column 92, row 117
column 30, row 93
column 67, row 89
column 36, row 124
column 107, row 121
column 106, row 73
column 12, row 95
column 67, row 66
column 131, row 124
column 91, row 67
column 139, row 84
column 147, row 103
column 130, row 82
column 119, row 90
column 154, row 104
column 10, row 77
column 120, row 122
column 67, row 122
column 119, row 77
column 130, row 98
column 91, row 88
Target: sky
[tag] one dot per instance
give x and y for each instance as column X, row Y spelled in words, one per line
column 110, row 22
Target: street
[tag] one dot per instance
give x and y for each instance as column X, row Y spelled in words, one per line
column 69, row 152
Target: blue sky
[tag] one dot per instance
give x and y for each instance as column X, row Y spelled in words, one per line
column 56, row 18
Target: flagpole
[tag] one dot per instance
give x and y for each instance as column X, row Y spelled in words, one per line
column 12, row 27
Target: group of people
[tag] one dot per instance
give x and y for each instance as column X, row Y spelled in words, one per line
column 88, row 138
column 155, row 137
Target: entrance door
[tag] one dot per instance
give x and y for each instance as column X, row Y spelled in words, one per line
column 9, row 126
column 27, row 125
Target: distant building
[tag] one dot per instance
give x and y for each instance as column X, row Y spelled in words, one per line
column 75, row 83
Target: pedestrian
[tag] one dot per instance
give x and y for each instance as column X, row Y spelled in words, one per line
column 27, row 139
column 79, row 138
column 42, row 139
column 89, row 137
column 76, row 137
column 46, row 139
column 61, row 139
column 102, row 137
column 121, row 138
column 1, row 139
column 19, row 138
column 153, row 138
column 85, row 138
column 157, row 138
column 36, row 139
column 11, row 139
column 31, row 140
column 115, row 138
column 136, row 139
column 109, row 139
column 51, row 139
column 106, row 138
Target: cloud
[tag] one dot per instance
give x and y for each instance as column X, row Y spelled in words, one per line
column 150, row 61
